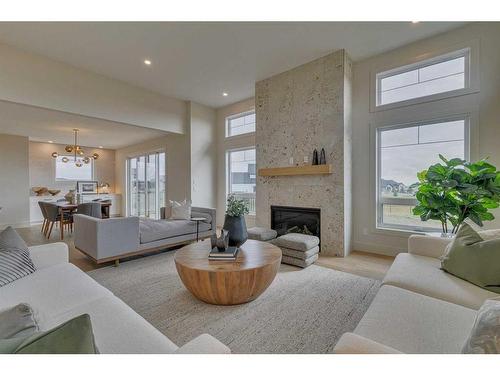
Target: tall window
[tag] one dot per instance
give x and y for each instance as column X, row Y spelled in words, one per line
column 241, row 175
column 404, row 150
column 146, row 185
column 242, row 123
column 426, row 78
column 70, row 172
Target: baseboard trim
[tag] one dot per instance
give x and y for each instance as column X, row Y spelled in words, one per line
column 25, row 224
column 377, row 249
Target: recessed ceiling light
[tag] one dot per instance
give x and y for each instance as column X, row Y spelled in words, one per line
column 51, row 141
column 225, row 94
column 147, row 62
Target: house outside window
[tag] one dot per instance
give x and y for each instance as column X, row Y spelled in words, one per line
column 404, row 150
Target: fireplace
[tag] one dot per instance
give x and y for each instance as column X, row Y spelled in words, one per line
column 286, row 219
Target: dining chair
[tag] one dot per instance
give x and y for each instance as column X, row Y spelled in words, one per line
column 54, row 216
column 90, row 209
column 44, row 214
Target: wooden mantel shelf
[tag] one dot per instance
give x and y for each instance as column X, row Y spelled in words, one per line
column 297, row 170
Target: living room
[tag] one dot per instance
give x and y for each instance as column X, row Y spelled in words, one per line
column 249, row 187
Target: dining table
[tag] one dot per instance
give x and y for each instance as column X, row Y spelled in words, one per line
column 69, row 208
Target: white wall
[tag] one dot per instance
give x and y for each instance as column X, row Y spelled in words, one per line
column 177, row 151
column 203, row 155
column 224, row 144
column 42, row 169
column 484, row 106
column 14, row 180
column 35, row 80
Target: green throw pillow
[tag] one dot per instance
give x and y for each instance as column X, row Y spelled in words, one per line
column 474, row 259
column 73, row 337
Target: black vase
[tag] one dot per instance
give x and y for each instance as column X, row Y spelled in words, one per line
column 322, row 157
column 315, row 157
column 237, row 229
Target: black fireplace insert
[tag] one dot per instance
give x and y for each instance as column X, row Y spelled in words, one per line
column 286, row 219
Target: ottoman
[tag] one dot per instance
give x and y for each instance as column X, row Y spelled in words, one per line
column 261, row 234
column 298, row 249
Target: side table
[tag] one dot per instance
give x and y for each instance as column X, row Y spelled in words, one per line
column 197, row 220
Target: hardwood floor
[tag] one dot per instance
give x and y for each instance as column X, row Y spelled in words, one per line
column 33, row 236
column 370, row 265
column 359, row 263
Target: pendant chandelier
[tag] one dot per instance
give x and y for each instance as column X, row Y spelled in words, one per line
column 77, row 151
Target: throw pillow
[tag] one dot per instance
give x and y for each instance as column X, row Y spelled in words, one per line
column 485, row 334
column 15, row 261
column 72, row 337
column 17, row 321
column 166, row 212
column 181, row 210
column 474, row 259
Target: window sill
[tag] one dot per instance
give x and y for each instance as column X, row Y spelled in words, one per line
column 239, row 136
column 401, row 232
column 424, row 99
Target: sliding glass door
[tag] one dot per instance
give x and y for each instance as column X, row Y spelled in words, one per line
column 146, row 185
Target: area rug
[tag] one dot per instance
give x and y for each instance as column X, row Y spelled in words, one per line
column 303, row 311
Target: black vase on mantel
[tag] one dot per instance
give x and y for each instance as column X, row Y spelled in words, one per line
column 322, row 157
column 237, row 229
column 315, row 157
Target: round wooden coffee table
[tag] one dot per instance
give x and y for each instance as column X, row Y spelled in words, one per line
column 228, row 282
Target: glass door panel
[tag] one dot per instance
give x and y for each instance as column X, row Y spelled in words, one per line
column 151, row 185
column 141, row 186
column 146, row 185
column 162, row 180
column 133, row 192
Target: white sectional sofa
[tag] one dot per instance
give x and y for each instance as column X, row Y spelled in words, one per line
column 58, row 291
column 419, row 308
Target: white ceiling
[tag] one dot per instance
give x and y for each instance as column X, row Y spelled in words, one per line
column 198, row 61
column 47, row 125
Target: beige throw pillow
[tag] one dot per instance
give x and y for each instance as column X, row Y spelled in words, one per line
column 180, row 210
column 485, row 335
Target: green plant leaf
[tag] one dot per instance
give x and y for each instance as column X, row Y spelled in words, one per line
column 457, row 190
column 443, row 159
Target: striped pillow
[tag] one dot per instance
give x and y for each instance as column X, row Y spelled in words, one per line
column 15, row 261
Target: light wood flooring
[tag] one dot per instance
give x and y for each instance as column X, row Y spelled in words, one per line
column 359, row 263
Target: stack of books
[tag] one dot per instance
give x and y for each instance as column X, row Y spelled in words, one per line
column 230, row 254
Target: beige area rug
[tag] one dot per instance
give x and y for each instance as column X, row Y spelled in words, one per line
column 303, row 311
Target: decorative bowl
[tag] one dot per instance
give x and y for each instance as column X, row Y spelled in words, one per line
column 40, row 190
column 54, row 192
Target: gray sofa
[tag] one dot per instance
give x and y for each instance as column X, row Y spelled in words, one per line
column 106, row 240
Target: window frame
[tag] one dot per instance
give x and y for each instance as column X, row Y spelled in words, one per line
column 471, row 74
column 71, row 157
column 228, row 172
column 379, row 225
column 236, row 116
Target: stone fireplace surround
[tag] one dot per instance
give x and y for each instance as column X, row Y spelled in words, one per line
column 297, row 111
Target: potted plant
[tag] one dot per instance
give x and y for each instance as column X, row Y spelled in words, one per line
column 455, row 190
column 234, row 222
